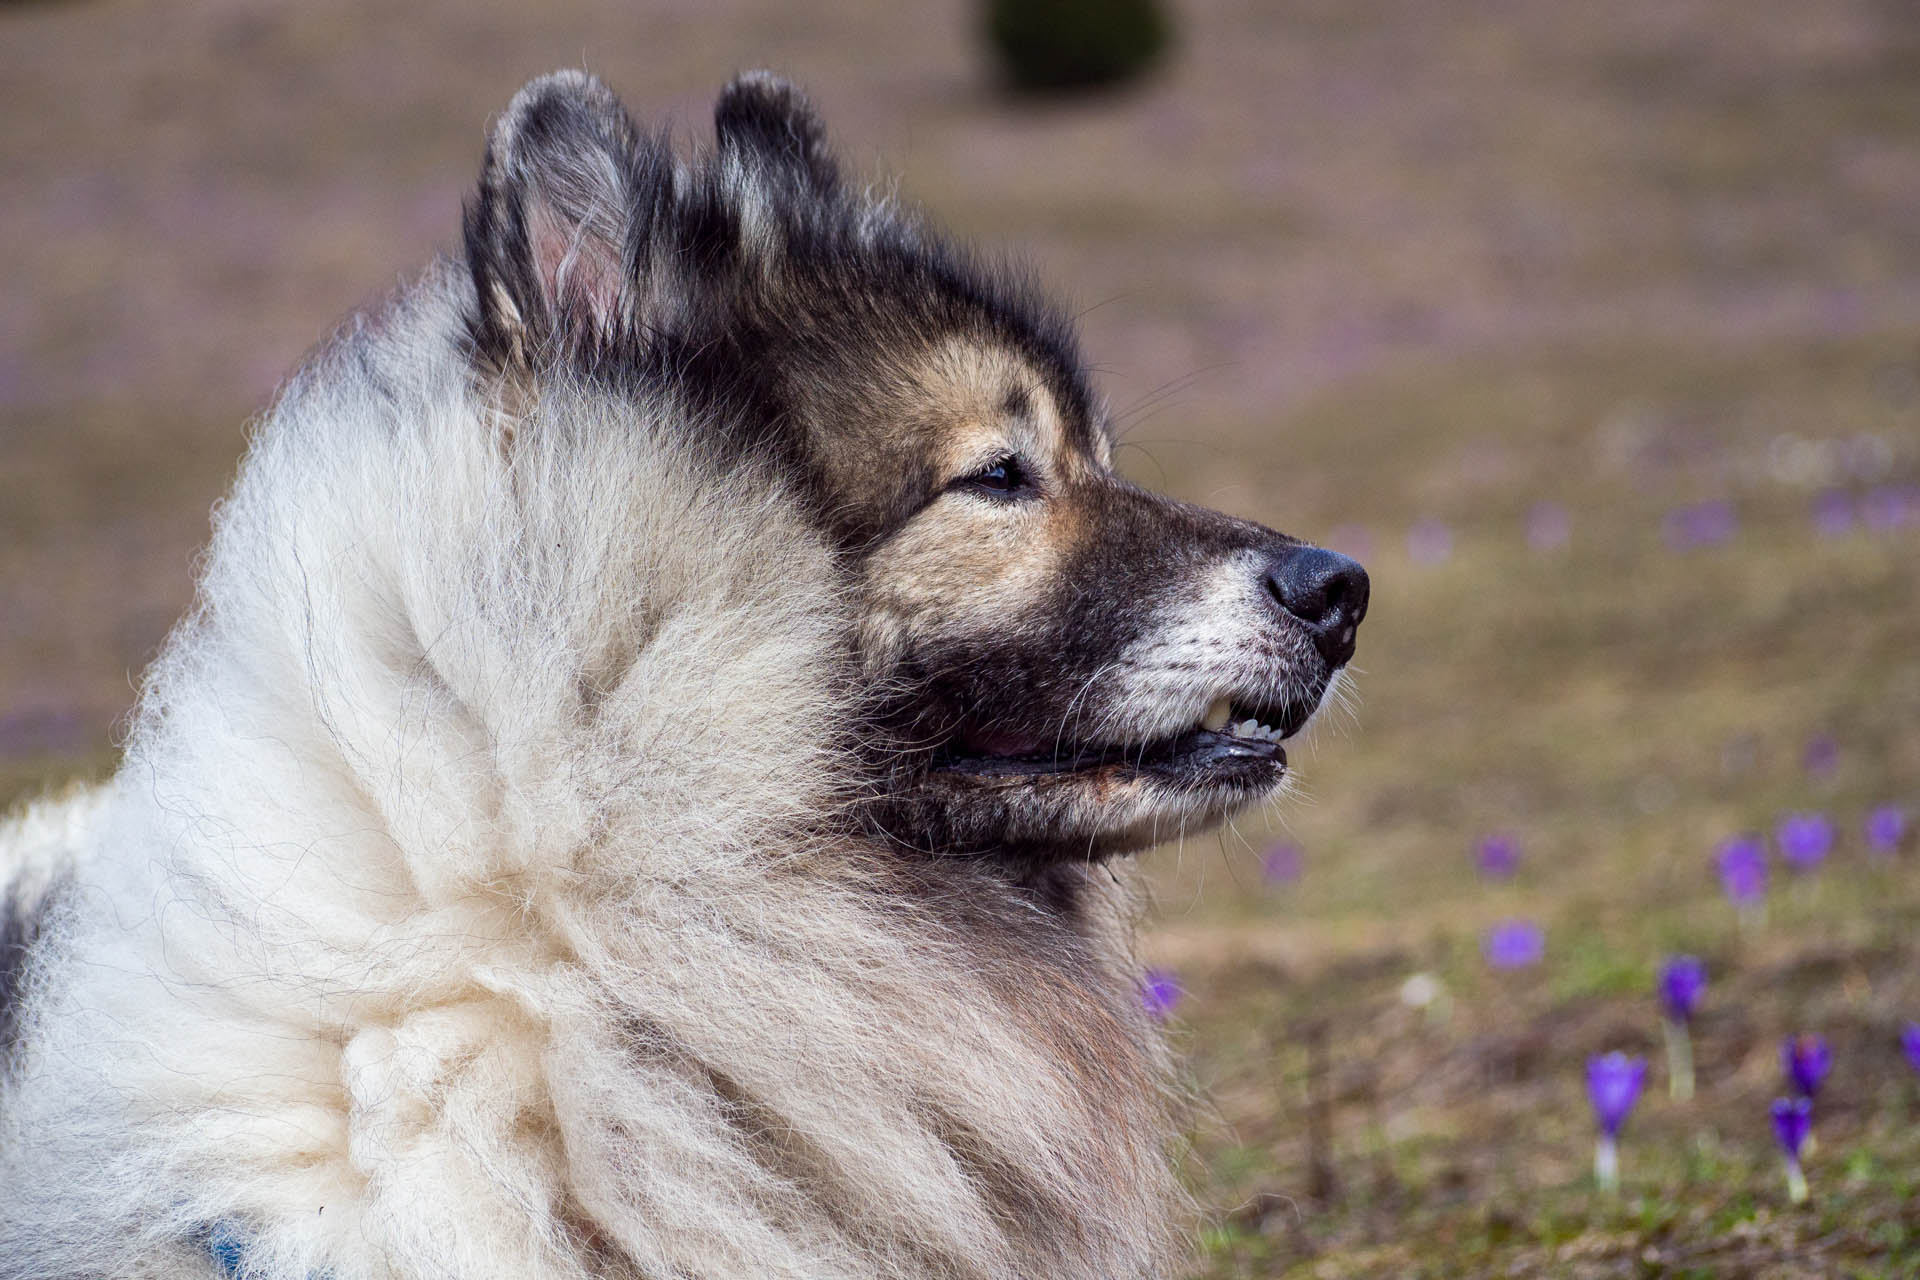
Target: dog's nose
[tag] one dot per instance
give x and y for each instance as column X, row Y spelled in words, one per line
column 1325, row 591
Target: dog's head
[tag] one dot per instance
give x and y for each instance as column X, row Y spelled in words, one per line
column 1064, row 665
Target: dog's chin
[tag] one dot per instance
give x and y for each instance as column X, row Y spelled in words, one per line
column 1032, row 809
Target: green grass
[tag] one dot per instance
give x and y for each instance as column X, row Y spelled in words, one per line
column 1620, row 708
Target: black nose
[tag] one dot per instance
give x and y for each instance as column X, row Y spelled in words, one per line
column 1324, row 590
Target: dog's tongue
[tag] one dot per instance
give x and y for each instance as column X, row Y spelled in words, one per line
column 1000, row 742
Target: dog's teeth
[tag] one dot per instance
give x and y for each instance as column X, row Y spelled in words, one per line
column 1216, row 718
column 1249, row 728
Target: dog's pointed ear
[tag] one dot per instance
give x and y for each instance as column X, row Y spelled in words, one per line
column 551, row 235
column 767, row 127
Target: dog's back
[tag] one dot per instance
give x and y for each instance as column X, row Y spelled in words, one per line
column 39, row 850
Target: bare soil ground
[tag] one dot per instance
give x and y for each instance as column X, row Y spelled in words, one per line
column 1389, row 273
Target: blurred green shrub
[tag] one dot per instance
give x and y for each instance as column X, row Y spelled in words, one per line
column 1056, row 45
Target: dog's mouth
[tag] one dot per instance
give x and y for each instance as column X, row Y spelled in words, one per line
column 1232, row 740
column 1001, row 790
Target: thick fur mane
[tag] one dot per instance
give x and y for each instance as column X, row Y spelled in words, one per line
column 477, row 896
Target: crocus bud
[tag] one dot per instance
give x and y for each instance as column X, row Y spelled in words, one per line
column 1515, row 944
column 1792, row 1123
column 1805, row 839
column 1613, row 1086
column 1683, row 979
column 1806, row 1059
column 1160, row 991
column 1743, row 870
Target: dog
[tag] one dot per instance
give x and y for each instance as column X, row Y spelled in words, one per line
column 641, row 791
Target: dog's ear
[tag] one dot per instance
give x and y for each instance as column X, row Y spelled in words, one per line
column 551, row 236
column 768, row 129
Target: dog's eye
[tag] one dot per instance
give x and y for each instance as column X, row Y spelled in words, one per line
column 1003, row 476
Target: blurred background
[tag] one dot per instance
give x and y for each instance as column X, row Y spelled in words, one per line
column 1594, row 330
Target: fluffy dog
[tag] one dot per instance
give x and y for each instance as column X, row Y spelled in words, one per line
column 635, row 793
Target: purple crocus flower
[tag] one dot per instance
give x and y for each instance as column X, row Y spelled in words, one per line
column 1705, row 524
column 1890, row 507
column 1806, row 1059
column 1821, row 756
column 1160, row 991
column 1498, row 857
column 1548, row 526
column 1804, row 839
column 1429, row 542
column 1683, row 980
column 1910, row 1044
column 1515, row 944
column 1792, row 1122
column 1281, row 863
column 38, row 729
column 1885, row 828
column 1743, row 869
column 1613, row 1086
column 1833, row 514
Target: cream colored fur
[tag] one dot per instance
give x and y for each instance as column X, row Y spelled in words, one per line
column 472, row 903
